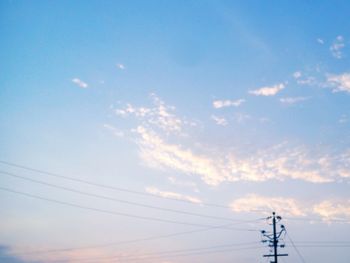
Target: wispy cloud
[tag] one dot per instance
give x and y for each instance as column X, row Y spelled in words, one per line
column 219, row 120
column 292, row 100
column 266, row 205
column 326, row 210
column 172, row 195
column 339, row 82
column 120, row 66
column 156, row 153
column 268, row 90
column 160, row 115
column 308, row 81
column 278, row 162
column 80, row 83
column 217, row 104
column 320, row 41
column 333, row 209
column 297, row 74
column 337, row 46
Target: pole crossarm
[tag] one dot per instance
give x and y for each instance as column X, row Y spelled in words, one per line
column 278, row 255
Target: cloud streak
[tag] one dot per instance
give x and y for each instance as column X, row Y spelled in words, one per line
column 337, row 46
column 266, row 205
column 80, row 83
column 340, row 82
column 292, row 100
column 279, row 162
column 120, row 66
column 268, row 90
column 333, row 210
column 160, row 115
column 276, row 163
column 172, row 195
column 327, row 210
column 219, row 120
column 217, row 104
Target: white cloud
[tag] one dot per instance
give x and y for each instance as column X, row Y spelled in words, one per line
column 292, row 100
column 339, row 82
column 80, row 83
column 268, row 91
column 337, row 46
column 217, row 104
column 333, row 209
column 172, row 195
column 160, row 115
column 120, row 66
column 297, row 74
column 158, row 154
column 308, row 81
column 219, row 120
column 327, row 210
column 266, row 205
column 320, row 41
column 278, row 162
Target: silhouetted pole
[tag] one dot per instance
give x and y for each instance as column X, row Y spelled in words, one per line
column 273, row 238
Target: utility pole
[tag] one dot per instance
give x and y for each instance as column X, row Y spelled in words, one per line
column 273, row 238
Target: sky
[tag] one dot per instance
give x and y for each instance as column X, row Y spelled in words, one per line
column 168, row 131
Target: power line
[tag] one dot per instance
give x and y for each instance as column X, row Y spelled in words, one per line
column 167, row 252
column 117, row 200
column 131, row 241
column 104, row 186
column 114, row 212
column 296, row 249
column 188, row 254
column 323, row 242
column 149, row 194
column 325, row 246
column 317, row 220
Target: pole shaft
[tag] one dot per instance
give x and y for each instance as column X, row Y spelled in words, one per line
column 274, row 237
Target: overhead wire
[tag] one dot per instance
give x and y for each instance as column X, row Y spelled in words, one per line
column 325, row 244
column 103, row 185
column 207, row 227
column 227, row 226
column 115, row 199
column 166, row 253
column 181, row 254
column 151, row 238
column 16, row 165
column 317, row 220
column 114, row 212
column 295, row 248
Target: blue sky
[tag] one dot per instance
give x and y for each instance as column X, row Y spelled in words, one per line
column 241, row 104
